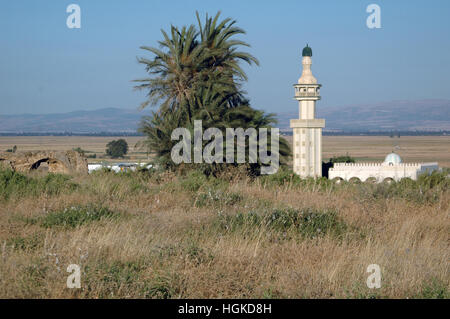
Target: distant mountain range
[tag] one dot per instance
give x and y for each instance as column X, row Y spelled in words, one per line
column 422, row 115
column 101, row 120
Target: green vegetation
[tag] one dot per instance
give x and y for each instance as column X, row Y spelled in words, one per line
column 27, row 243
column 197, row 76
column 76, row 215
column 162, row 286
column 211, row 190
column 17, row 185
column 434, row 289
column 308, row 222
column 117, row 148
column 427, row 188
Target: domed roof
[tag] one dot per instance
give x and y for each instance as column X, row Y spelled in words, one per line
column 393, row 159
column 307, row 51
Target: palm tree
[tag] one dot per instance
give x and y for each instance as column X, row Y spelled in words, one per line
column 196, row 74
column 184, row 65
column 216, row 38
column 176, row 69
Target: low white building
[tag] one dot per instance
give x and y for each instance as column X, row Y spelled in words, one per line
column 392, row 169
column 117, row 168
column 94, row 167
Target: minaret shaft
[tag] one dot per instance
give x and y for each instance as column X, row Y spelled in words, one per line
column 307, row 137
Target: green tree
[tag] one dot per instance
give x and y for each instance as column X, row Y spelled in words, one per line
column 197, row 75
column 117, row 148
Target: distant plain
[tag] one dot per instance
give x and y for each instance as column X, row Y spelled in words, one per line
column 363, row 148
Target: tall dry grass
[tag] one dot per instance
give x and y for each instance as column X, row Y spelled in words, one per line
column 161, row 235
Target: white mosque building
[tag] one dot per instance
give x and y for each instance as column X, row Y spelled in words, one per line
column 307, row 142
column 392, row 169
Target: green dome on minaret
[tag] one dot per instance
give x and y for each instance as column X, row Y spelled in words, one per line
column 307, row 51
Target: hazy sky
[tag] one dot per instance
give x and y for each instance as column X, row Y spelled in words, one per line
column 46, row 67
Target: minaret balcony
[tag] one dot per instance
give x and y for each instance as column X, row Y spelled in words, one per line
column 307, row 94
column 305, row 91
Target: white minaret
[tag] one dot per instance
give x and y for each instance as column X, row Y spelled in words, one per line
column 307, row 129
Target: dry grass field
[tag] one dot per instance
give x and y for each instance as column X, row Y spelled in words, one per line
column 166, row 235
column 93, row 145
column 363, row 148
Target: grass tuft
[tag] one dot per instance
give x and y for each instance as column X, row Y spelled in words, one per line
column 309, row 223
column 76, row 215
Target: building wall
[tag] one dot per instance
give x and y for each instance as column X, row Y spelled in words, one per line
column 307, row 109
column 380, row 171
column 308, row 151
